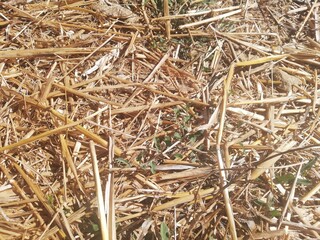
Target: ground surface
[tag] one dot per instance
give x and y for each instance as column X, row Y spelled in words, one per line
column 179, row 119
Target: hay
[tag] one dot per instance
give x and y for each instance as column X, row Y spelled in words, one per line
column 150, row 120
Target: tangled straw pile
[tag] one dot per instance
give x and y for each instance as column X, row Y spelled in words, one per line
column 179, row 119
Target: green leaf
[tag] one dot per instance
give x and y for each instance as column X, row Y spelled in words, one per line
column 285, row 179
column 177, row 135
column 167, row 140
column 164, row 231
column 178, row 156
column 50, row 200
column 308, row 165
column 152, row 167
column 259, row 202
column 95, row 227
column 186, row 118
column 176, row 111
column 193, row 138
column 303, row 181
column 275, row 213
column 122, row 161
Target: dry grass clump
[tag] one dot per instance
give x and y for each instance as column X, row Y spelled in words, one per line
column 159, row 119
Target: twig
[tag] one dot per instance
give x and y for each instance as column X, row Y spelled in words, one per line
column 103, row 221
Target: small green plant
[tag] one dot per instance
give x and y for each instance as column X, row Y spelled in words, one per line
column 167, row 141
column 194, row 136
column 226, row 25
column 90, row 225
column 268, row 207
column 285, row 179
column 183, row 118
column 275, row 213
column 177, row 136
column 309, row 165
column 50, row 199
column 122, row 162
column 164, row 231
column 157, row 143
column 159, row 43
column 95, row 227
column 289, row 179
column 152, row 167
